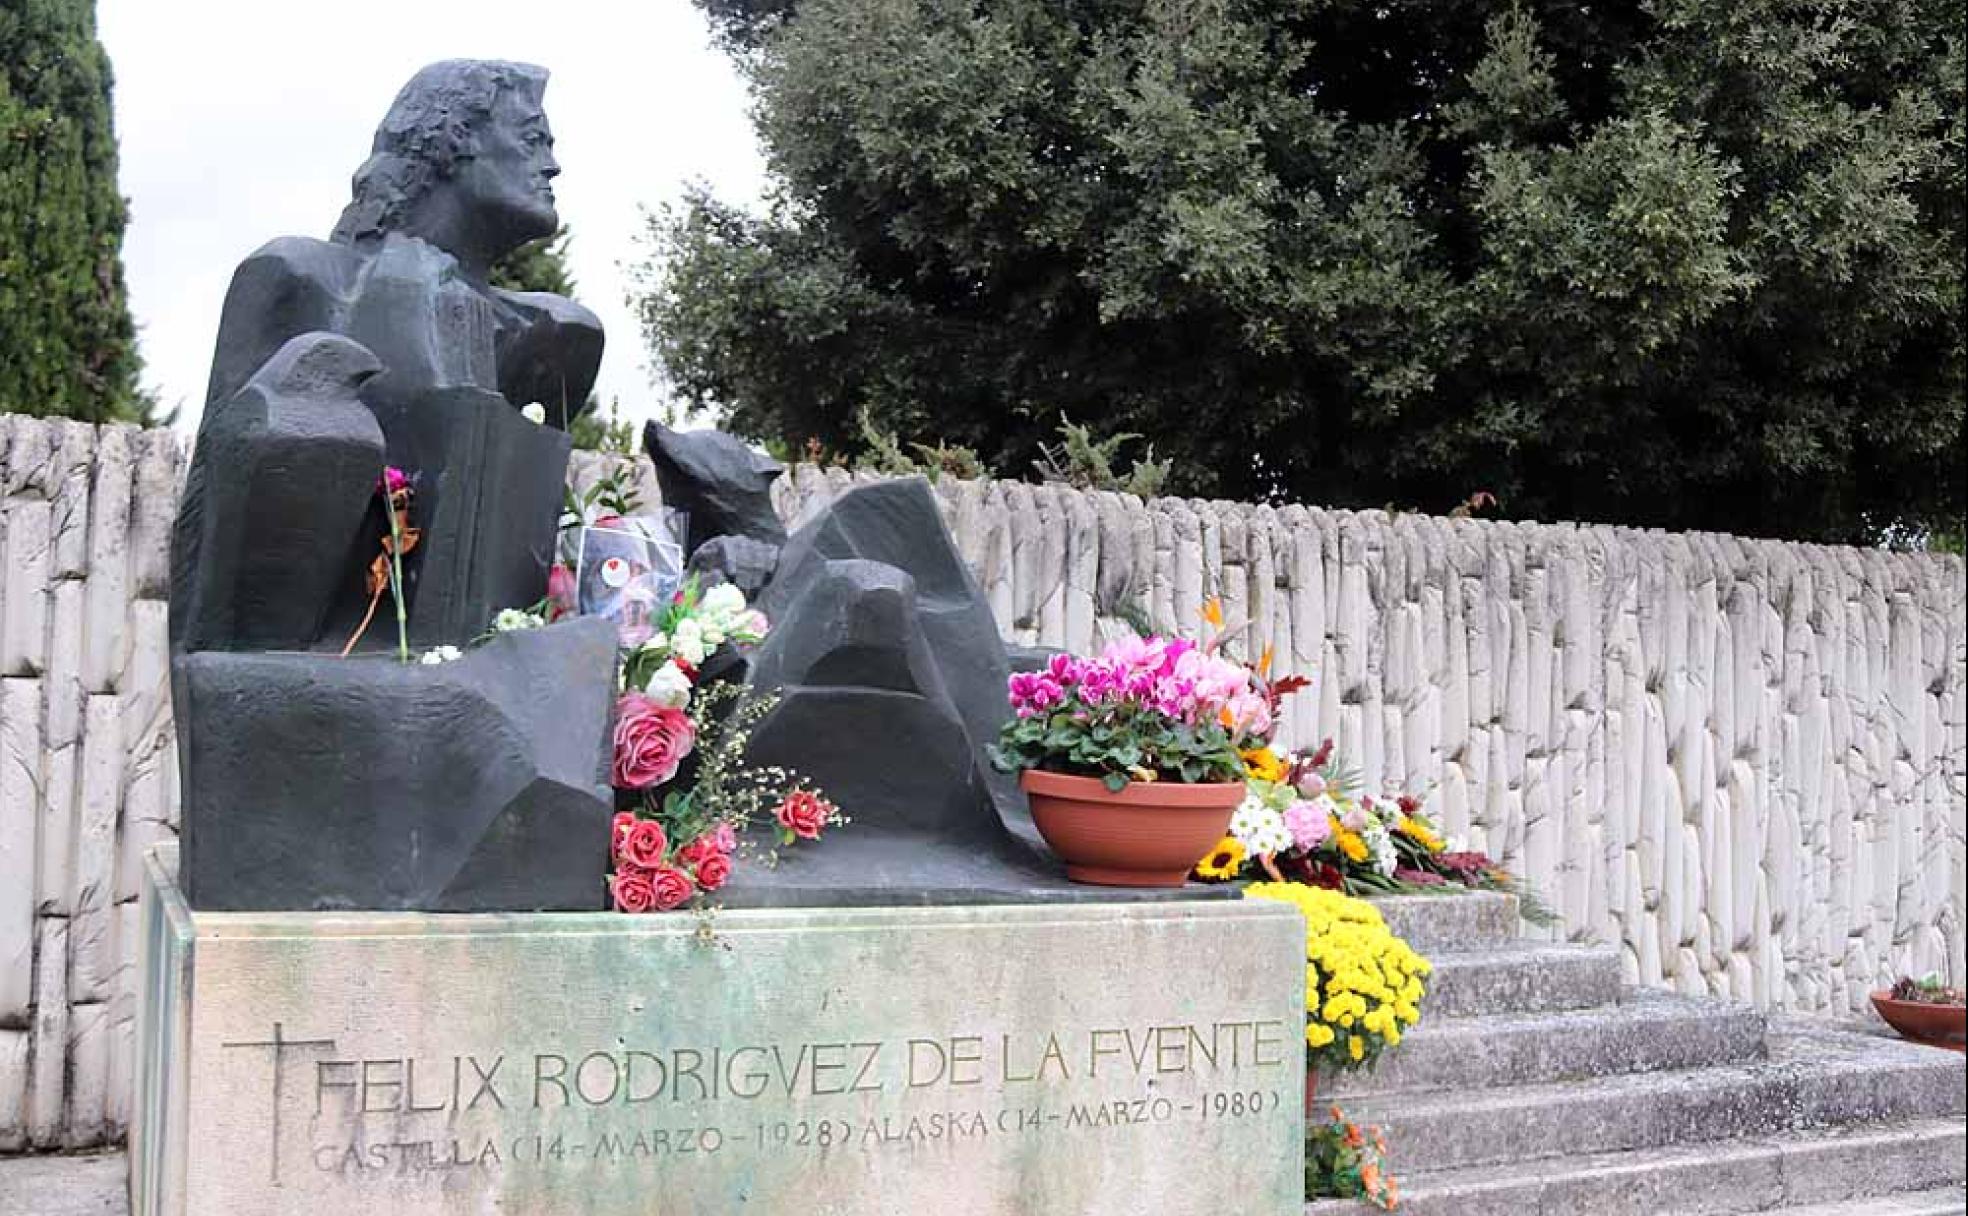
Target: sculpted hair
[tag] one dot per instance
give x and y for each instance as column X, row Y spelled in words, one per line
column 431, row 126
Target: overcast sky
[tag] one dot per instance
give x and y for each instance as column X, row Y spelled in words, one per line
column 242, row 120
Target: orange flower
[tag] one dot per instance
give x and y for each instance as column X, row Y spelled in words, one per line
column 1353, row 1137
column 1213, row 611
column 1370, row 1179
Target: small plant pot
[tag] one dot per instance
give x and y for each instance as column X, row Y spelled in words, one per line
column 1922, row 1022
column 1149, row 834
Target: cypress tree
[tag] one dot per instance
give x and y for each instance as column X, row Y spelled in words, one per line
column 67, row 344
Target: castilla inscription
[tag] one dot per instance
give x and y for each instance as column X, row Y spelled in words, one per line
column 1036, row 1060
column 749, row 1087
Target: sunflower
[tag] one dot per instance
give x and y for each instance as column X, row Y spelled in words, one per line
column 1419, row 832
column 1224, row 862
column 1264, row 764
column 1350, row 843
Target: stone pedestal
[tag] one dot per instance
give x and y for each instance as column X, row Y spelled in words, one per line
column 972, row 1061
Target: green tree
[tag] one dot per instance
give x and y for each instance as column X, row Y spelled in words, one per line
column 1683, row 263
column 537, row 266
column 67, row 343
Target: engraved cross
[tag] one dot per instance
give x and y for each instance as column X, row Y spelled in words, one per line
column 280, row 1044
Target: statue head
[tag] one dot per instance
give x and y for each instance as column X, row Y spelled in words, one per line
column 463, row 158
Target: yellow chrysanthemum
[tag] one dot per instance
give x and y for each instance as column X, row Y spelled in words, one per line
column 1362, row 983
column 1225, row 861
column 1264, row 764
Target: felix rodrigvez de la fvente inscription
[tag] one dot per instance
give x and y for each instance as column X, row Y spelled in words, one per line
column 401, row 1116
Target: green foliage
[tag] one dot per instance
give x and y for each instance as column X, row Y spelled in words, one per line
column 542, row 266
column 536, row 266
column 605, row 432
column 1118, row 740
column 1687, row 263
column 1343, row 1161
column 67, row 343
column 1082, row 461
column 884, row 454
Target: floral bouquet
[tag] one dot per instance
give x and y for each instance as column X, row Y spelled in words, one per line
column 1144, row 709
column 1342, row 1161
column 676, row 838
column 1363, row 984
column 685, row 792
column 1304, row 820
column 1132, row 758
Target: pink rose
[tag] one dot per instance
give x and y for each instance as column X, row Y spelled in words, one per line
column 644, row 844
column 713, row 870
column 804, row 813
column 562, row 598
column 632, row 889
column 619, row 832
column 725, row 836
column 669, row 888
column 651, row 740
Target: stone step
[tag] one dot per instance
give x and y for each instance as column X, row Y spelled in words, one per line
column 1836, row 1167
column 1471, row 920
column 1648, row 1031
column 1525, row 977
column 1810, row 1079
column 1941, row 1201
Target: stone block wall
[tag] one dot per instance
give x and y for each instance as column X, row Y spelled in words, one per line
column 88, row 777
column 1744, row 760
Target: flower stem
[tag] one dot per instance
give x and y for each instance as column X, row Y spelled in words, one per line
column 396, row 584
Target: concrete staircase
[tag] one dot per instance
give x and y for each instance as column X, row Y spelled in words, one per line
column 1536, row 1085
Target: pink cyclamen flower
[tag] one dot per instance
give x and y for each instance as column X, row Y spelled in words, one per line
column 644, row 844
column 651, row 740
column 1034, row 693
column 670, row 888
column 632, row 889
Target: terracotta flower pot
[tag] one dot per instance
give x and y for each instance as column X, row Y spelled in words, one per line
column 1935, row 1025
column 1150, row 834
column 1312, row 1095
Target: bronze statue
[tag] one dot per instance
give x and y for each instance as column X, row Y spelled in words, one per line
column 311, row 781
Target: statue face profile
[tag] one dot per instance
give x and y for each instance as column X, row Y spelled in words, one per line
column 507, row 184
column 464, row 159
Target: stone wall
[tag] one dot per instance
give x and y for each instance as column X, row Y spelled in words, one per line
column 87, row 772
column 1743, row 760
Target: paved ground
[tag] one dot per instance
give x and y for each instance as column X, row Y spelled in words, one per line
column 63, row 1186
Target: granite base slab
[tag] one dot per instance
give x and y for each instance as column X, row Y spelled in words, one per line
column 1090, row 1060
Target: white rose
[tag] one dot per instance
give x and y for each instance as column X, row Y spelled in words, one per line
column 688, row 642
column 535, row 414
column 723, row 601
column 669, row 686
